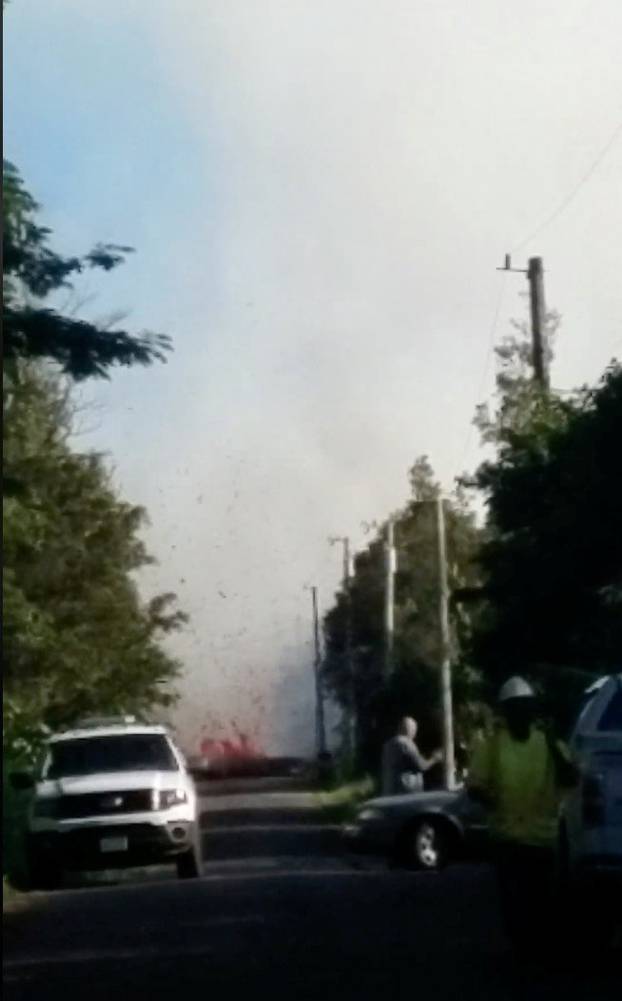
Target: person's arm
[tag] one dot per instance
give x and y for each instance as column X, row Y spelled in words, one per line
column 416, row 758
column 479, row 777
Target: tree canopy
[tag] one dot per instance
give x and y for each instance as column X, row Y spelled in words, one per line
column 32, row 271
column 413, row 681
column 551, row 559
column 77, row 636
column 553, row 562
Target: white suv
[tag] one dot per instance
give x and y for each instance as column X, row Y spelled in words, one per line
column 111, row 794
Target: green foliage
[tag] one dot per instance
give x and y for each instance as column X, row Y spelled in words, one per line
column 77, row 638
column 14, row 822
column 340, row 804
column 551, row 604
column 553, row 564
column 412, row 686
column 33, row 271
column 521, row 403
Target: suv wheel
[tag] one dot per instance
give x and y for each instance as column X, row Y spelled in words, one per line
column 189, row 862
column 43, row 873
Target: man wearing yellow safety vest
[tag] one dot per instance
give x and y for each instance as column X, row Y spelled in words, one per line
column 520, row 771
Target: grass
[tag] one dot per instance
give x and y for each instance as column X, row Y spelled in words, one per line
column 340, row 804
column 14, row 812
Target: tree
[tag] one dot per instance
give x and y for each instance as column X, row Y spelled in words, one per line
column 413, row 684
column 552, row 560
column 32, row 272
column 520, row 401
column 553, row 563
column 77, row 637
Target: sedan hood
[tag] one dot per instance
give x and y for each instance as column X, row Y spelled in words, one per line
column 434, row 798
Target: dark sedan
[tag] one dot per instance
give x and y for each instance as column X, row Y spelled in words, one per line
column 425, row 830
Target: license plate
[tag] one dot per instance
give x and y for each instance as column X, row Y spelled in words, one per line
column 113, row 845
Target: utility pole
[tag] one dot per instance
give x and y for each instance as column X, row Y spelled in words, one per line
column 389, row 597
column 535, row 277
column 445, row 648
column 320, row 725
column 350, row 715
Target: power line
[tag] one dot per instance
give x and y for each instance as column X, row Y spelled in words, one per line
column 559, row 209
column 571, row 195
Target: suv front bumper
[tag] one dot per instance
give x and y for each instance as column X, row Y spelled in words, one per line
column 81, row 847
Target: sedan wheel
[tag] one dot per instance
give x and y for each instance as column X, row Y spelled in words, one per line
column 425, row 845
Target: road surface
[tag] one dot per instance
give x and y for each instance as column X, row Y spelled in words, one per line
column 278, row 913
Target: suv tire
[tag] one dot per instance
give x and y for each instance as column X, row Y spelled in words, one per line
column 43, row 873
column 189, row 862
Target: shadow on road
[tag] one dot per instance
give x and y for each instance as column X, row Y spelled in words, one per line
column 301, row 923
column 316, row 935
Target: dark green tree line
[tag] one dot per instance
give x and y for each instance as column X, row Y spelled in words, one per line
column 412, row 685
column 551, row 559
column 78, row 638
column 552, row 565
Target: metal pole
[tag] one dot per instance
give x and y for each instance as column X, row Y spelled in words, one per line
column 535, row 277
column 349, row 715
column 446, row 699
column 389, row 598
column 320, row 726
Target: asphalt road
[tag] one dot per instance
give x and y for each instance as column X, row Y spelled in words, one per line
column 279, row 912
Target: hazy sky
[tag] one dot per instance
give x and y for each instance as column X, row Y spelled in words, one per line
column 319, row 192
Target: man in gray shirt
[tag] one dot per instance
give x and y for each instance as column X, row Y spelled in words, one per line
column 403, row 764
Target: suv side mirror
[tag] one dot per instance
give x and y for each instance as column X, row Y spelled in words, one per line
column 22, row 781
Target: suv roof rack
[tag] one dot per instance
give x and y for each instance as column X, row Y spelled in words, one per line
column 92, row 722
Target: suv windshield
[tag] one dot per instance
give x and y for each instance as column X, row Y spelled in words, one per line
column 125, row 753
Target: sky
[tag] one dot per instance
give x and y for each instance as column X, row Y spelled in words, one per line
column 319, row 194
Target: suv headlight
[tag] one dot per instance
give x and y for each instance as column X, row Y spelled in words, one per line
column 167, row 798
column 46, row 807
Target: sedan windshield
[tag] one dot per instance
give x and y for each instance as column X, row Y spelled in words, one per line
column 126, row 753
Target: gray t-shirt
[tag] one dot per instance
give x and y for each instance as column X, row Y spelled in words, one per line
column 402, row 766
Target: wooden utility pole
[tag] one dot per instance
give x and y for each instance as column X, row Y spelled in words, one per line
column 320, row 725
column 389, row 597
column 535, row 277
column 445, row 650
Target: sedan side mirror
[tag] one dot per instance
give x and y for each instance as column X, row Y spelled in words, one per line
column 22, row 781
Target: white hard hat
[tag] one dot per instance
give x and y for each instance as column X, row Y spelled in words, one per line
column 516, row 688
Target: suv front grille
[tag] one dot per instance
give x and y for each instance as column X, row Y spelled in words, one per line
column 95, row 804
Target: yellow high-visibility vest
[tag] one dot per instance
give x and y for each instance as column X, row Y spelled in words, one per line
column 520, row 779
